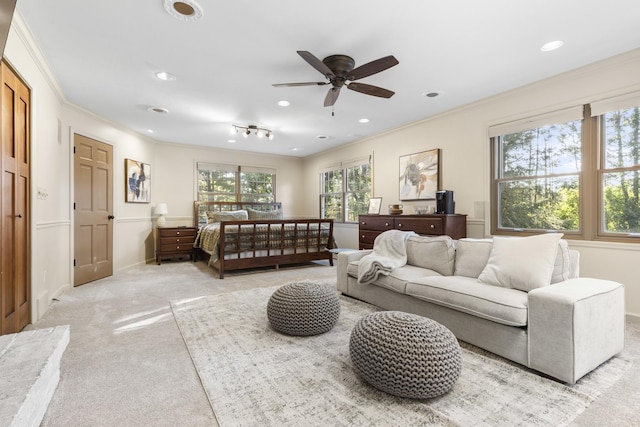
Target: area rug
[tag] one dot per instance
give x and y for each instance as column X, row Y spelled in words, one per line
column 255, row 376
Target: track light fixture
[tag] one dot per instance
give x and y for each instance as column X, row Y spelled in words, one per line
column 246, row 131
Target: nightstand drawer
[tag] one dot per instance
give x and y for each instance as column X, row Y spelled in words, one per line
column 176, row 247
column 176, row 232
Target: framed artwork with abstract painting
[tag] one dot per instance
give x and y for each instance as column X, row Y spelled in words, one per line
column 137, row 181
column 420, row 175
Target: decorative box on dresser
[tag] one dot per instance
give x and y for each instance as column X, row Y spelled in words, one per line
column 175, row 242
column 370, row 226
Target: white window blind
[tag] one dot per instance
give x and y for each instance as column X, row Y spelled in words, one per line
column 534, row 122
column 615, row 103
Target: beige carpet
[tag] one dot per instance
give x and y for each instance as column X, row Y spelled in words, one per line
column 256, row 376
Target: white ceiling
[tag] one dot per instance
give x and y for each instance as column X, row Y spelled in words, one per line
column 104, row 55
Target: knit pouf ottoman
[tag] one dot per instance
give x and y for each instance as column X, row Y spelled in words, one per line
column 303, row 308
column 405, row 354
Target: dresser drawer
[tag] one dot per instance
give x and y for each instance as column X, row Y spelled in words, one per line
column 376, row 223
column 420, row 225
column 176, row 232
column 367, row 237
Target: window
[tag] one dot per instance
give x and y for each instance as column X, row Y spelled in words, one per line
column 565, row 172
column 229, row 183
column 620, row 172
column 345, row 190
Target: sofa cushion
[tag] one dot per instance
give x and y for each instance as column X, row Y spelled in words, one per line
column 523, row 263
column 472, row 256
column 468, row 295
column 434, row 253
column 397, row 279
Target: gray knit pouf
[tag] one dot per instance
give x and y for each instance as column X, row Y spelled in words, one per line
column 303, row 308
column 405, row 354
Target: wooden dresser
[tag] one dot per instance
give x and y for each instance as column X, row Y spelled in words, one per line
column 175, row 242
column 369, row 226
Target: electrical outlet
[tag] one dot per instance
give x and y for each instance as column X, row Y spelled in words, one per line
column 42, row 193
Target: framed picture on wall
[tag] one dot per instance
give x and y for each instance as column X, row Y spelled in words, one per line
column 137, row 181
column 374, row 205
column 420, row 175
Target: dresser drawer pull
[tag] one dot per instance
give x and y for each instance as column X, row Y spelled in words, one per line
column 362, row 236
column 433, row 226
column 363, row 223
column 400, row 225
column 386, row 224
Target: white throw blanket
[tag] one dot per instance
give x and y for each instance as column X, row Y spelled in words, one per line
column 389, row 252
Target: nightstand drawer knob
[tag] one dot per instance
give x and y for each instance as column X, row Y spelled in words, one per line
column 177, row 232
column 177, row 240
column 177, row 247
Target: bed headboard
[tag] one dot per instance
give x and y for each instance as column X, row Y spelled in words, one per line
column 200, row 208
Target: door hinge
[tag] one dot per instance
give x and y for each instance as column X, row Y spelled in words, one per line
column 74, row 262
column 74, row 206
column 74, row 149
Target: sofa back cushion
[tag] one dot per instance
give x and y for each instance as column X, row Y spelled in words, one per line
column 523, row 263
column 435, row 253
column 562, row 266
column 471, row 256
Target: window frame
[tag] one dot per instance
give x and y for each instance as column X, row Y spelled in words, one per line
column 591, row 209
column 345, row 191
column 237, row 170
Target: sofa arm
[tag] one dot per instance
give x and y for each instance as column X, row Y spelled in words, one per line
column 344, row 258
column 574, row 326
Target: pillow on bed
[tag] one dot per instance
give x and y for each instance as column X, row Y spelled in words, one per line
column 217, row 216
column 254, row 214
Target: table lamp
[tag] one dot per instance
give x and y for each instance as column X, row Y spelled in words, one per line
column 161, row 211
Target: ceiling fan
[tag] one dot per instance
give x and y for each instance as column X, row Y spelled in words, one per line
column 339, row 71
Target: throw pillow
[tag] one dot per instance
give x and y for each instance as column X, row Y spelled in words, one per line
column 255, row 214
column 472, row 256
column 217, row 216
column 523, row 263
column 435, row 253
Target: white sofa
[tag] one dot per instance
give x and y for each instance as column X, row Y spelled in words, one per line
column 520, row 298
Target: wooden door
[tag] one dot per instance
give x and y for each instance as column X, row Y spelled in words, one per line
column 93, row 210
column 15, row 282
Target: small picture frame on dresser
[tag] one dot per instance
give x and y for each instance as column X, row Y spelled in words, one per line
column 374, row 205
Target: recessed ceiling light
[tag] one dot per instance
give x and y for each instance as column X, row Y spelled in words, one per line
column 363, row 120
column 185, row 10
column 295, row 149
column 158, row 110
column 552, row 45
column 164, row 76
column 150, row 130
column 231, row 141
column 284, row 103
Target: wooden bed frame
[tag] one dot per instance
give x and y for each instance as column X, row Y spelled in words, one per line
column 281, row 254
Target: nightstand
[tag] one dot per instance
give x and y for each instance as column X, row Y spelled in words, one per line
column 175, row 242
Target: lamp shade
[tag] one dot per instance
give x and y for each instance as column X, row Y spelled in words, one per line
column 161, row 209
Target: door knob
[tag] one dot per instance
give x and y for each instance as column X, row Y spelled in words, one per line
column 19, row 216
column 110, row 217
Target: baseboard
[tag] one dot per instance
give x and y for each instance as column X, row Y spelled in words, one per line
column 633, row 318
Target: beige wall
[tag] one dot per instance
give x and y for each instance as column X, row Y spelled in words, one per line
column 461, row 134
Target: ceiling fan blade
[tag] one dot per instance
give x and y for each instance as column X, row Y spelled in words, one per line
column 372, row 67
column 316, row 63
column 332, row 96
column 370, row 90
column 300, row 84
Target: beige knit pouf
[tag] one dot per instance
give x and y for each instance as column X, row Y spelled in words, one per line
column 303, row 308
column 405, row 354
